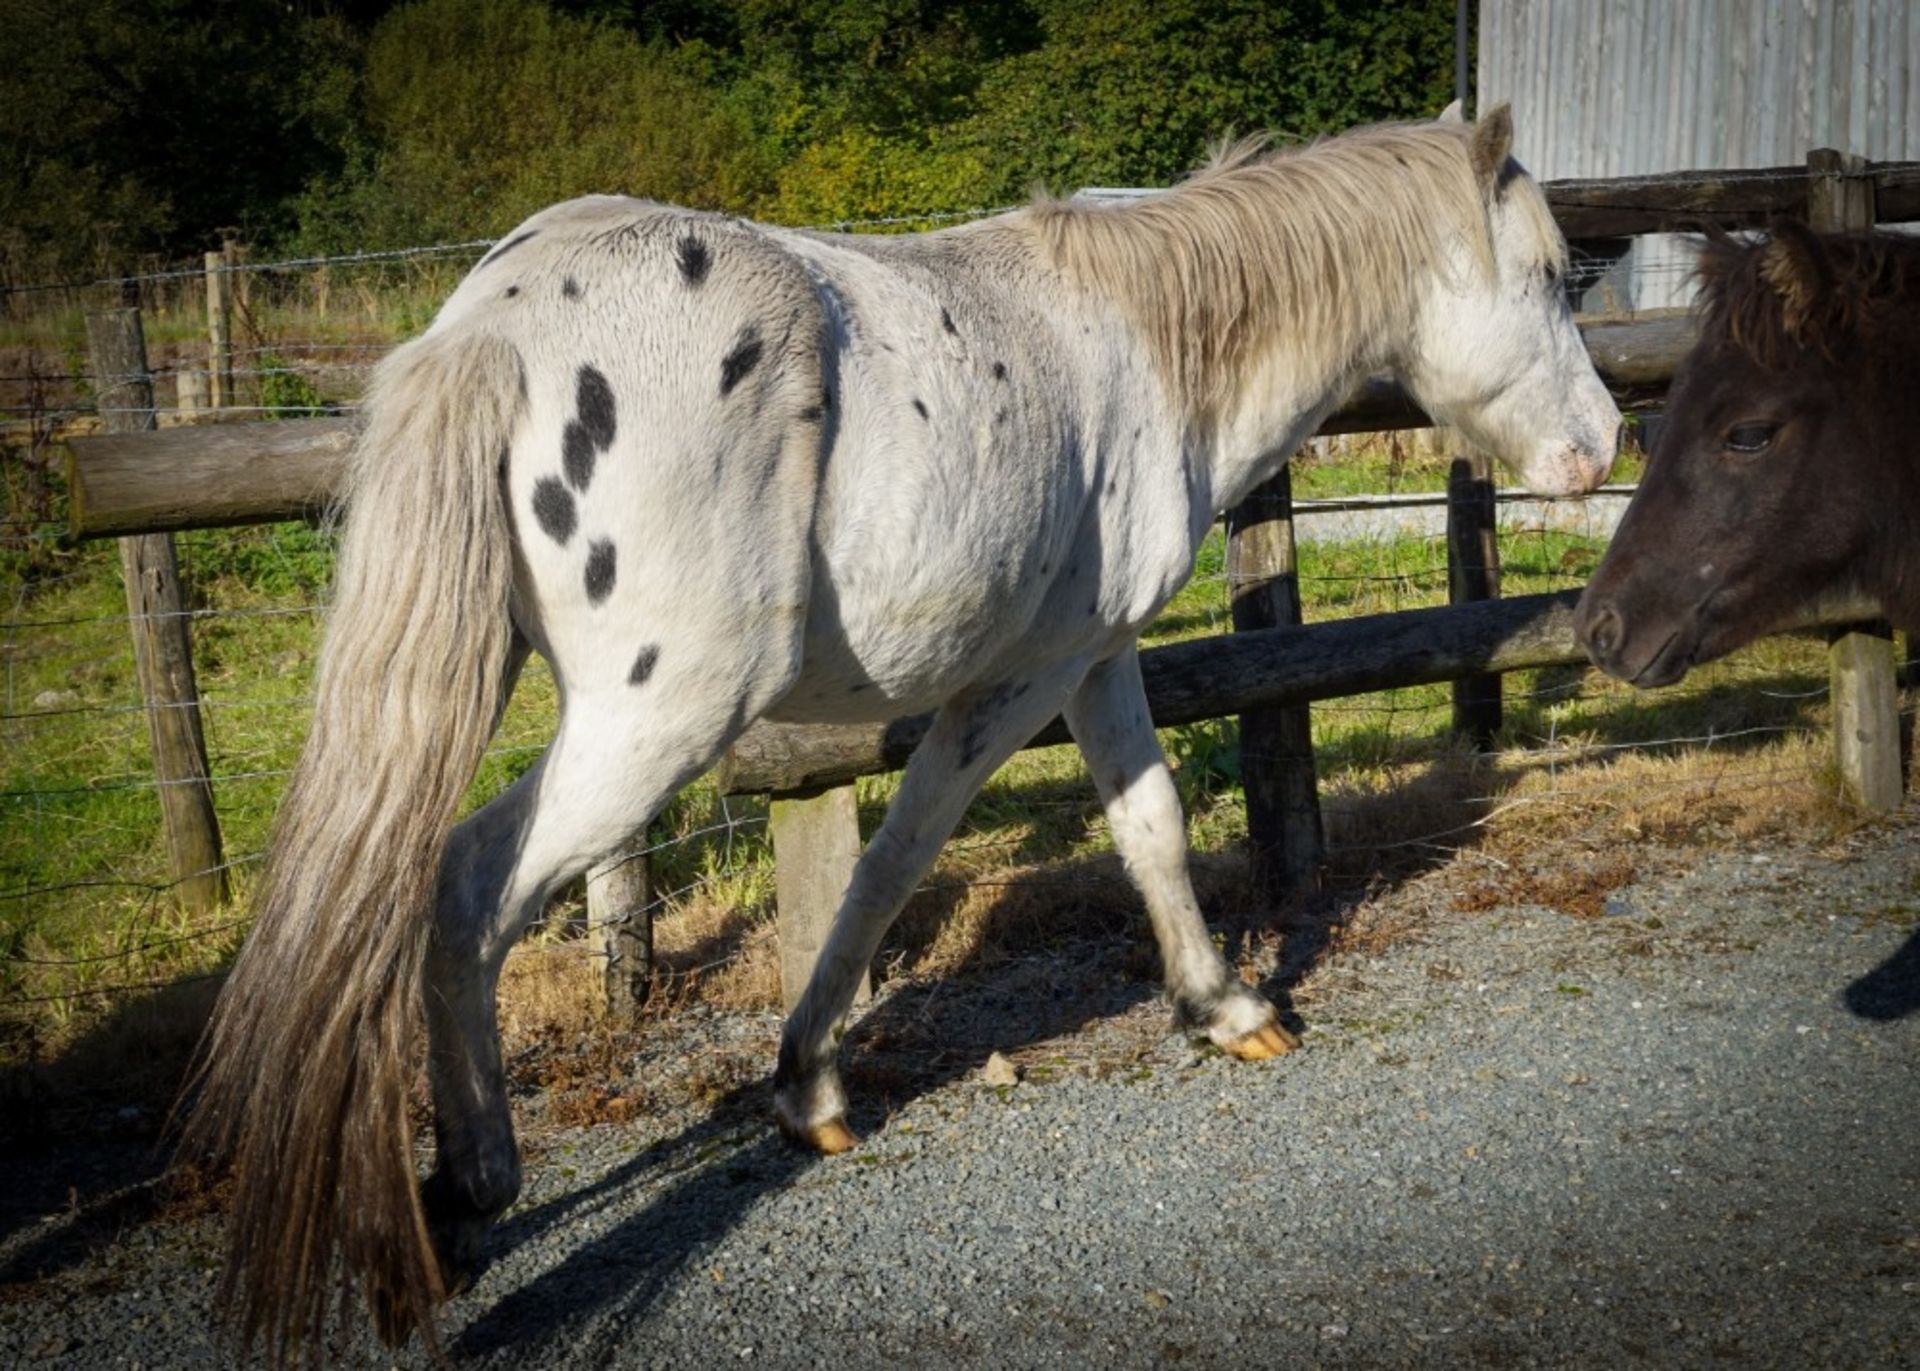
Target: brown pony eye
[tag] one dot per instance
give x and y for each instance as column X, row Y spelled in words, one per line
column 1750, row 437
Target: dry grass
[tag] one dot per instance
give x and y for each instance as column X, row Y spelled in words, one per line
column 1506, row 829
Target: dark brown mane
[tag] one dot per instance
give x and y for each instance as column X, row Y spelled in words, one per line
column 1798, row 291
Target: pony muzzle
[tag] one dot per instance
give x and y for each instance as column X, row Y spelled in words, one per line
column 1636, row 651
column 1571, row 468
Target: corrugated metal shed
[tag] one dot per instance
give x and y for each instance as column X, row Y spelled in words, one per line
column 1628, row 87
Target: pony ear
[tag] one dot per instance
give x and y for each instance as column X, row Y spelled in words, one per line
column 1491, row 143
column 1453, row 114
column 1795, row 266
column 1716, row 254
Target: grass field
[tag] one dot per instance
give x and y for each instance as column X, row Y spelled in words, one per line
column 85, row 926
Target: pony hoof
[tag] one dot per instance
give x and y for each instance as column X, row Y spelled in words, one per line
column 1264, row 1043
column 829, row 1139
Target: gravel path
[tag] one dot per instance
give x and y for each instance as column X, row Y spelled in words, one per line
column 1596, row 516
column 1680, row 1132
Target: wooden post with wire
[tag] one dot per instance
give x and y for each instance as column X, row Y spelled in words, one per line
column 1866, row 713
column 1285, row 843
column 162, row 646
column 620, row 926
column 816, row 841
column 219, row 330
column 1473, row 573
column 190, row 394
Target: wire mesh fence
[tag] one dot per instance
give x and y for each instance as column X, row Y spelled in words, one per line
column 85, row 913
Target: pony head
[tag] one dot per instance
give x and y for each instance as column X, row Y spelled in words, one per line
column 1780, row 475
column 1493, row 350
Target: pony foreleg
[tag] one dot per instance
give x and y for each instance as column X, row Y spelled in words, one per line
column 1110, row 721
column 971, row 736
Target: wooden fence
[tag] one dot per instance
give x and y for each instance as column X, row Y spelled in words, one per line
column 141, row 485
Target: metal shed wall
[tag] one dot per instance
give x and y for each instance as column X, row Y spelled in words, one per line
column 1628, row 87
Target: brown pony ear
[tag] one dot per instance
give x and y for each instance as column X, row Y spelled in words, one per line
column 1716, row 256
column 1795, row 267
column 1490, row 144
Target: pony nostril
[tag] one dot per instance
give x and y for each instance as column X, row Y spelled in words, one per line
column 1604, row 631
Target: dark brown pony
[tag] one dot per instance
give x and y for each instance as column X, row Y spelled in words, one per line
column 1789, row 466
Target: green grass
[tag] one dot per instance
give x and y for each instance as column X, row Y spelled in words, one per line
column 1402, row 463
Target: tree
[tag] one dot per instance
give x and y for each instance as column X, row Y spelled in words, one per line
column 142, row 126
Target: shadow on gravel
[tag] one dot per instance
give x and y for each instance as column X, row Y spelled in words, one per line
column 705, row 1179
column 79, row 1130
column 715, row 1171
column 94, row 1217
column 1892, row 989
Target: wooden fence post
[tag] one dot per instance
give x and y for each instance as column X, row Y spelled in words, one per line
column 620, row 926
column 190, row 394
column 1908, row 680
column 1866, row 715
column 1473, row 573
column 162, row 644
column 1284, row 837
column 816, row 841
column 219, row 330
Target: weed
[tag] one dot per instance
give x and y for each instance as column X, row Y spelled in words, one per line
column 285, row 393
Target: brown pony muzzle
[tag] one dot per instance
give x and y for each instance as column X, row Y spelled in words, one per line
column 1644, row 644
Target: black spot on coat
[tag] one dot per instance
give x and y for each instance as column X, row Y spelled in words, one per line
column 999, row 371
column 570, row 288
column 921, row 407
column 737, row 363
column 693, row 258
column 503, row 249
column 985, row 712
column 599, row 570
column 946, row 321
column 553, row 509
column 643, row 665
column 576, row 454
column 594, row 398
column 512, row 291
column 591, row 431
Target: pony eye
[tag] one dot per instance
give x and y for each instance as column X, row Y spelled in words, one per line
column 1751, row 437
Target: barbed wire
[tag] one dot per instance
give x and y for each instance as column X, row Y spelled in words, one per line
column 438, row 250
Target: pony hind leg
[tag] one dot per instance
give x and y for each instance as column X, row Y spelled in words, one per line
column 1110, row 721
column 611, row 768
column 971, row 736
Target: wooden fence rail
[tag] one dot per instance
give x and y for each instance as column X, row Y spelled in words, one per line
column 1212, row 678
column 146, row 483
column 232, row 474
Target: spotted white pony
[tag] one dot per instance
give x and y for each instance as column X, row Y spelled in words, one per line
column 715, row 472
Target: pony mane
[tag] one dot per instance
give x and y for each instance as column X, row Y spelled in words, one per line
column 1262, row 248
column 1797, row 290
